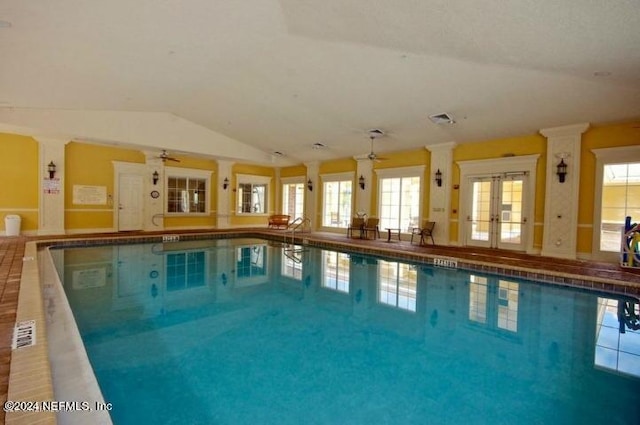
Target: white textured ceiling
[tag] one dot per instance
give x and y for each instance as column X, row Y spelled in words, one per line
column 283, row 75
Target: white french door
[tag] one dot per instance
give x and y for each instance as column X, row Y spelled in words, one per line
column 495, row 213
column 130, row 202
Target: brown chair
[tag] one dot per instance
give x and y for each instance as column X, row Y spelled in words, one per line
column 425, row 231
column 371, row 225
column 357, row 223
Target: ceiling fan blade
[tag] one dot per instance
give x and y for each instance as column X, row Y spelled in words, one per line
column 173, row 159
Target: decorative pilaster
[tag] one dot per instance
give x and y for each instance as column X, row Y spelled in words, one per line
column 363, row 196
column 561, row 198
column 225, row 196
column 51, row 190
column 311, row 196
column 440, row 196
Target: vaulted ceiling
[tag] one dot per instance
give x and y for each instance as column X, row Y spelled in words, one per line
column 279, row 76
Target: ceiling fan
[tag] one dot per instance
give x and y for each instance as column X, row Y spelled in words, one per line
column 164, row 156
column 375, row 133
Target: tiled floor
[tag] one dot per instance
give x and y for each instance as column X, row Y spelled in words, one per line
column 12, row 251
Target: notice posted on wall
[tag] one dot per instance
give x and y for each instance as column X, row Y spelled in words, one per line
column 89, row 195
column 89, row 278
column 51, row 185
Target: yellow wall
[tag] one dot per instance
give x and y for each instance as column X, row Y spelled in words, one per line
column 19, row 174
column 296, row 171
column 92, row 165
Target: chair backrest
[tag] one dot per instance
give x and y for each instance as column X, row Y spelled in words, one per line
column 357, row 222
column 428, row 226
column 373, row 222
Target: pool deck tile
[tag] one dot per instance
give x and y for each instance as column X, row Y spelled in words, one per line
column 602, row 276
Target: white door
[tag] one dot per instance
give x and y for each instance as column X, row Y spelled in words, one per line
column 496, row 214
column 130, row 202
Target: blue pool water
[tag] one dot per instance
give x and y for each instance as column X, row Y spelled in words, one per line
column 242, row 331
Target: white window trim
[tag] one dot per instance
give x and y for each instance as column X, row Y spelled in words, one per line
column 177, row 172
column 253, row 180
column 402, row 172
column 336, row 177
column 620, row 155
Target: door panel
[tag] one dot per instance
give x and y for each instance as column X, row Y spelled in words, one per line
column 130, row 202
column 496, row 212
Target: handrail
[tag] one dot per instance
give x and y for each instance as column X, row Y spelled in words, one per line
column 295, row 225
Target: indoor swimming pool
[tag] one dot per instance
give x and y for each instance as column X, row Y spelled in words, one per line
column 249, row 331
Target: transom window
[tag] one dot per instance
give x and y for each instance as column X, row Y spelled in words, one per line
column 337, row 194
column 399, row 197
column 187, row 191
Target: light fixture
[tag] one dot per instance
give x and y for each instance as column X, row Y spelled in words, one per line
column 439, row 177
column 225, row 183
column 361, row 181
column 562, row 170
column 310, row 185
column 51, row 168
column 156, row 177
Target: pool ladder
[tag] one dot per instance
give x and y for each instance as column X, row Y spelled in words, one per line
column 290, row 250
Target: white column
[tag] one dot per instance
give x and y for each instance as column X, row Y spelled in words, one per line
column 440, row 196
column 277, row 207
column 561, row 199
column 311, row 196
column 51, row 191
column 363, row 196
column 225, row 196
column 154, row 206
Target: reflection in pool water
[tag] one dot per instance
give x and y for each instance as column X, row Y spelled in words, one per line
column 244, row 331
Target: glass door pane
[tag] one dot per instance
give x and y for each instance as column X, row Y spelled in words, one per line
column 481, row 216
column 509, row 215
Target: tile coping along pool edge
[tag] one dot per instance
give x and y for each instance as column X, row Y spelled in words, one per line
column 30, row 374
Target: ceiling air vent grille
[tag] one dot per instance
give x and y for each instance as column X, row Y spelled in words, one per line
column 442, row 118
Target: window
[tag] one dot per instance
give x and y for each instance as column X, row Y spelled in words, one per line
column 616, row 196
column 478, row 299
column 292, row 262
column 250, row 261
column 494, row 303
column 335, row 271
column 337, row 193
column 293, row 199
column 187, row 191
column 185, row 270
column 618, row 336
column 253, row 194
column 399, row 197
column 508, row 305
column 398, row 285
column 620, row 198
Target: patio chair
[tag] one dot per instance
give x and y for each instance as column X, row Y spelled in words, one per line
column 371, row 225
column 425, row 231
column 357, row 223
